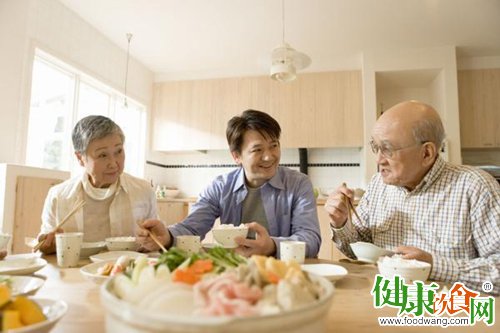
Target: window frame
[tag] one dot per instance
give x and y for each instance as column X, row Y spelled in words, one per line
column 114, row 98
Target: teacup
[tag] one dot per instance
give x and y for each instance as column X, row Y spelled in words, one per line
column 293, row 250
column 4, row 240
column 189, row 243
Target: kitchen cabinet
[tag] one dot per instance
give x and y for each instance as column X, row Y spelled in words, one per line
column 316, row 110
column 479, row 104
column 328, row 250
column 172, row 212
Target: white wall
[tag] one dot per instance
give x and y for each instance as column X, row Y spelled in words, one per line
column 47, row 24
column 440, row 58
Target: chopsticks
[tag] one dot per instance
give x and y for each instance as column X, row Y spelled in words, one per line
column 350, row 208
column 347, row 202
column 77, row 206
column 153, row 237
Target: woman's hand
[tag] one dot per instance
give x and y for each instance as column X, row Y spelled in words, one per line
column 158, row 229
column 263, row 244
column 49, row 245
column 336, row 207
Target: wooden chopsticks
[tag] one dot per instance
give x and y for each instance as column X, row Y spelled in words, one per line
column 350, row 207
column 153, row 237
column 77, row 206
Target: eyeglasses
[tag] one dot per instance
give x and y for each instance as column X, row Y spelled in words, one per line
column 388, row 152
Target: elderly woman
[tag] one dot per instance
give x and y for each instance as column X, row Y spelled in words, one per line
column 114, row 201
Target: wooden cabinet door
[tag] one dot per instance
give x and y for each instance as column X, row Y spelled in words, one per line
column 328, row 250
column 338, row 116
column 30, row 197
column 479, row 106
column 316, row 110
column 172, row 212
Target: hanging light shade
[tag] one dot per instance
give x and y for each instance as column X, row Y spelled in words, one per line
column 283, row 72
column 285, row 60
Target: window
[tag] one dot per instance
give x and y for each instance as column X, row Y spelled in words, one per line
column 62, row 95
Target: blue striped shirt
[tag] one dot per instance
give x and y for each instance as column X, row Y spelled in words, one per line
column 288, row 200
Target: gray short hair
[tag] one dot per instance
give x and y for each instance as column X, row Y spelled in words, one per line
column 429, row 130
column 93, row 128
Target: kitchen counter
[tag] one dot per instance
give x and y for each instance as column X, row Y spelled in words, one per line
column 186, row 200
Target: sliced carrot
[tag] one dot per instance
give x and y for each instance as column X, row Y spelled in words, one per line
column 201, row 266
column 185, row 276
column 272, row 277
column 193, row 273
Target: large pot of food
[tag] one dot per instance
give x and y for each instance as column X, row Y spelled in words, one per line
column 260, row 294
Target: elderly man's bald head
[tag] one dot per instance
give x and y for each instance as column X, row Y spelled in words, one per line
column 417, row 118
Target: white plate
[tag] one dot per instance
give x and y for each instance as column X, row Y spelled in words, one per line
column 90, row 271
column 23, row 285
column 114, row 255
column 21, row 266
column 53, row 310
column 328, row 271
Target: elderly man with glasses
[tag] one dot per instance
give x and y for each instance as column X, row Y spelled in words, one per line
column 422, row 207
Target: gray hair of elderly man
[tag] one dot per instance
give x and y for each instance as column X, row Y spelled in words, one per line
column 429, row 130
column 93, row 128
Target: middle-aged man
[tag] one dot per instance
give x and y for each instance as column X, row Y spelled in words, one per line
column 277, row 203
column 423, row 207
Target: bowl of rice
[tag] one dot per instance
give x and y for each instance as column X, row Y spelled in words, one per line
column 409, row 269
column 226, row 233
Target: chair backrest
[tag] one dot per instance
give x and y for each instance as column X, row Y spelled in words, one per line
column 30, row 197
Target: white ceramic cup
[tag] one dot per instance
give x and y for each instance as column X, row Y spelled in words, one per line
column 189, row 243
column 68, row 247
column 293, row 250
column 4, row 240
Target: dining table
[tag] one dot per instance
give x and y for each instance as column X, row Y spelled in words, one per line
column 351, row 310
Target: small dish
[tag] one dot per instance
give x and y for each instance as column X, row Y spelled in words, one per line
column 90, row 248
column 90, row 271
column 23, row 285
column 21, row 266
column 53, row 310
column 121, row 244
column 114, row 255
column 328, row 271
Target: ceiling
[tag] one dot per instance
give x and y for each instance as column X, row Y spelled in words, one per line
column 187, row 39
